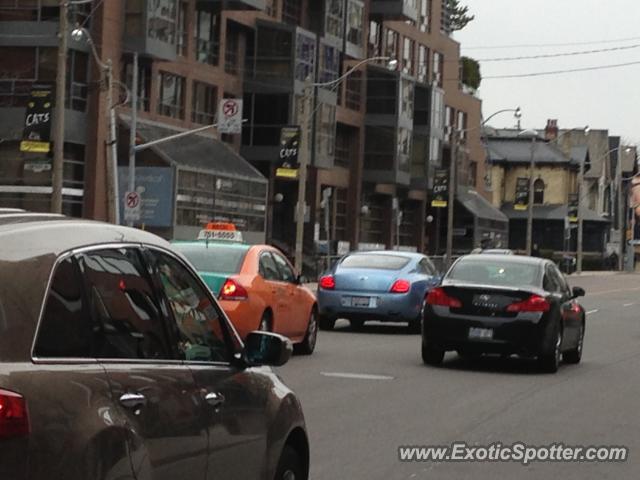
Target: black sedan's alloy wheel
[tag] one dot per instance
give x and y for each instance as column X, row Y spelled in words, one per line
column 550, row 361
column 575, row 355
column 290, row 466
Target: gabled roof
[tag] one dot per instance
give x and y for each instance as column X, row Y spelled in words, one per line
column 518, row 150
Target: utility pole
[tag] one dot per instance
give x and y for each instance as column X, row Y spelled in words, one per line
column 453, row 165
column 303, row 157
column 580, row 213
column 57, row 173
column 134, row 127
column 620, row 214
column 112, row 160
column 530, row 206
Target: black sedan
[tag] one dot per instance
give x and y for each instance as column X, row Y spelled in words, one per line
column 504, row 304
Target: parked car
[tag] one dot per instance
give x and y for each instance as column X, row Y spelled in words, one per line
column 256, row 287
column 497, row 251
column 504, row 304
column 117, row 362
column 382, row 285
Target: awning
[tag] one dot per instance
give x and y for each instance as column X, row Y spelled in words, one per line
column 196, row 152
column 550, row 212
column 479, row 206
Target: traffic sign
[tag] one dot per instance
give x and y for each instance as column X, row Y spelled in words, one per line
column 132, row 206
column 230, row 116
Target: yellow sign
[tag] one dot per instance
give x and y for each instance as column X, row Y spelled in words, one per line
column 519, row 206
column 32, row 146
column 439, row 203
column 287, row 172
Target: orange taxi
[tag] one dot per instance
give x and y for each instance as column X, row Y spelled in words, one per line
column 256, row 285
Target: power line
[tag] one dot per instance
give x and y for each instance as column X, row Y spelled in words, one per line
column 554, row 55
column 557, row 72
column 544, row 45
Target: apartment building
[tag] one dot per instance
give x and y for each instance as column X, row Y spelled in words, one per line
column 377, row 137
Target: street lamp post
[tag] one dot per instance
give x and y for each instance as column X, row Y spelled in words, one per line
column 57, row 174
column 532, row 166
column 305, row 147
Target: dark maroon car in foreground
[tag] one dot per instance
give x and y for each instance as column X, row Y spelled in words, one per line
column 116, row 362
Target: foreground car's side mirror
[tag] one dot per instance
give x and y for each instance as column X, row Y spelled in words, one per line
column 578, row 292
column 265, row 348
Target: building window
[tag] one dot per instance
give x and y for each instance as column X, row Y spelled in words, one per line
column 305, row 57
column 292, row 12
column 449, row 119
column 334, row 18
column 204, row 102
column 438, row 66
column 473, row 173
column 404, row 141
column 171, row 103
column 272, row 8
column 161, row 21
column 355, row 22
column 407, row 98
column 231, row 51
column 326, row 130
column 391, row 44
column 423, row 64
column 538, row 191
column 353, row 98
column 445, row 18
column 181, row 34
column 461, row 125
column 425, row 15
column 375, row 39
column 144, row 82
column 207, row 37
column 407, row 56
column 330, row 63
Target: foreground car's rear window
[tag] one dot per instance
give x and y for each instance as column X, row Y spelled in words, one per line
column 381, row 262
column 501, row 274
column 215, row 258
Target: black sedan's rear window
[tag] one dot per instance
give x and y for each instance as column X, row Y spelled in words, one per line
column 378, row 262
column 496, row 273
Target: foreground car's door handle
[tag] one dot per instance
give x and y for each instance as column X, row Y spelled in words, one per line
column 214, row 399
column 133, row 400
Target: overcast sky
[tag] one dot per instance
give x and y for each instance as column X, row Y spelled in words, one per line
column 607, row 99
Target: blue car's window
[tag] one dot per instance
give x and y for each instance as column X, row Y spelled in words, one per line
column 215, row 258
column 501, row 274
column 378, row 262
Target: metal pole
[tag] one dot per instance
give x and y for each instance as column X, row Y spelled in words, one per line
column 530, row 206
column 134, row 126
column 621, row 215
column 305, row 147
column 61, row 87
column 112, row 162
column 453, row 165
column 580, row 223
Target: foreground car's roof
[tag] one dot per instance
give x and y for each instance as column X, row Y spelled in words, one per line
column 24, row 235
column 211, row 244
column 511, row 259
column 398, row 253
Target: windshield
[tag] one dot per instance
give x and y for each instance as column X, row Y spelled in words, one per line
column 496, row 273
column 377, row 261
column 215, row 258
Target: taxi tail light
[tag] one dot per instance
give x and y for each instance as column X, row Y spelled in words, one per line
column 328, row 282
column 232, row 290
column 14, row 417
column 400, row 286
column 438, row 297
column 535, row 303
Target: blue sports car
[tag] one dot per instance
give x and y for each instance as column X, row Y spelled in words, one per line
column 384, row 285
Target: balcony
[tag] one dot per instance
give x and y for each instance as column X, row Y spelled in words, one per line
column 402, row 10
column 237, row 4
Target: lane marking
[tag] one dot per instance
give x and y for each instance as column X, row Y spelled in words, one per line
column 592, row 311
column 358, row 376
column 604, row 292
column 628, row 304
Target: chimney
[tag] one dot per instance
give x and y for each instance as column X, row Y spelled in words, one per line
column 551, row 130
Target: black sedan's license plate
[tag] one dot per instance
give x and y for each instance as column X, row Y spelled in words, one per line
column 480, row 333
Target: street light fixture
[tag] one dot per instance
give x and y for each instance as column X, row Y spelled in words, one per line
column 305, row 119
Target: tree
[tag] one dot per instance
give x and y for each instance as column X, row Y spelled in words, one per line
column 471, row 75
column 458, row 15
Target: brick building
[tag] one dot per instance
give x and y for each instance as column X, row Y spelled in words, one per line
column 377, row 138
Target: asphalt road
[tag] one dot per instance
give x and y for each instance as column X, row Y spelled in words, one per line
column 388, row 398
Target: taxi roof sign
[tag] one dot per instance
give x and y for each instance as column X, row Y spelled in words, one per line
column 220, row 231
